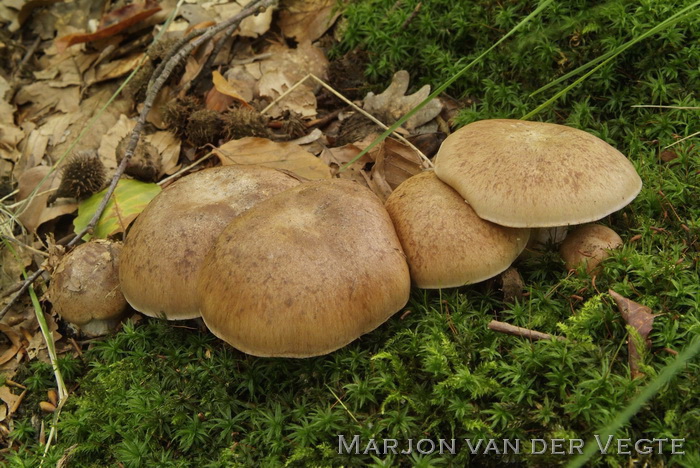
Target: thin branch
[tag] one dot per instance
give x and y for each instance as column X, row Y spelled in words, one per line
column 509, row 329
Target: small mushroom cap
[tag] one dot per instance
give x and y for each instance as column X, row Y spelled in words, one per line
column 85, row 285
column 168, row 241
column 305, row 272
column 532, row 174
column 445, row 242
column 589, row 245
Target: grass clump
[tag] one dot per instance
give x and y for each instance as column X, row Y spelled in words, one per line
column 157, row 395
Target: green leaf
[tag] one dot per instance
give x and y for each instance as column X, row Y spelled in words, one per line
column 129, row 199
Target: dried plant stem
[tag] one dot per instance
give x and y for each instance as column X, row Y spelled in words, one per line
column 426, row 161
column 509, row 329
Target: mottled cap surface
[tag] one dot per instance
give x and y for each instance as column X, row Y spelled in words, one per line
column 532, row 174
column 304, row 272
column 445, row 242
column 167, row 243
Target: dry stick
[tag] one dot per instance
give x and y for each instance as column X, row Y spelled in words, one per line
column 21, row 291
column 257, row 6
column 210, row 60
column 509, row 329
column 426, row 160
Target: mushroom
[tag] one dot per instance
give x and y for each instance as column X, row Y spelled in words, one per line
column 589, row 245
column 168, row 241
column 533, row 174
column 445, row 242
column 304, row 272
column 85, row 289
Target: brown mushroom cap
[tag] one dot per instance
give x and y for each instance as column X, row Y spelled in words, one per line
column 85, row 289
column 589, row 245
column 305, row 272
column 445, row 242
column 532, row 174
column 168, row 241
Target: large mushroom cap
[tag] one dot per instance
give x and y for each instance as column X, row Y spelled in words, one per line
column 532, row 174
column 85, row 289
column 168, row 241
column 305, row 272
column 445, row 242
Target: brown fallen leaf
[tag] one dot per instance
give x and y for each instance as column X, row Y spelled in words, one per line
column 393, row 103
column 222, row 85
column 112, row 23
column 280, row 70
column 278, row 155
column 166, row 144
column 8, row 397
column 641, row 319
column 307, row 20
column 35, row 213
column 14, row 338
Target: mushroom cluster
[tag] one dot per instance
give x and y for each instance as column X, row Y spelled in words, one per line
column 273, row 266
column 494, row 180
column 280, row 267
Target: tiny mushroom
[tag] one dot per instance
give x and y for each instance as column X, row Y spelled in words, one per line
column 533, row 174
column 589, row 245
column 85, row 289
column 168, row 241
column 304, row 272
column 445, row 242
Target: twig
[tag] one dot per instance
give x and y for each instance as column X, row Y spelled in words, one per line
column 187, row 168
column 30, row 52
column 509, row 329
column 206, row 69
column 21, row 291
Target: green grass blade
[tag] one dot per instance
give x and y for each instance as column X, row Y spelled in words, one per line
column 670, row 21
column 591, row 448
column 445, row 85
column 659, row 27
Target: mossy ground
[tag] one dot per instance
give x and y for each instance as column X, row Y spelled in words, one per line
column 157, row 395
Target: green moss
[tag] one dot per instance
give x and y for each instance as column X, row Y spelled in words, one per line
column 156, row 395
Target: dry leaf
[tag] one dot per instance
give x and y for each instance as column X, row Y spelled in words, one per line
column 283, row 69
column 111, row 24
column 392, row 104
column 336, row 158
column 7, row 396
column 222, row 85
column 307, row 20
column 16, row 344
column 36, row 212
column 398, row 162
column 115, row 68
column 45, row 99
column 10, row 134
column 286, row 156
column 167, row 144
column 218, row 10
column 640, row 318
